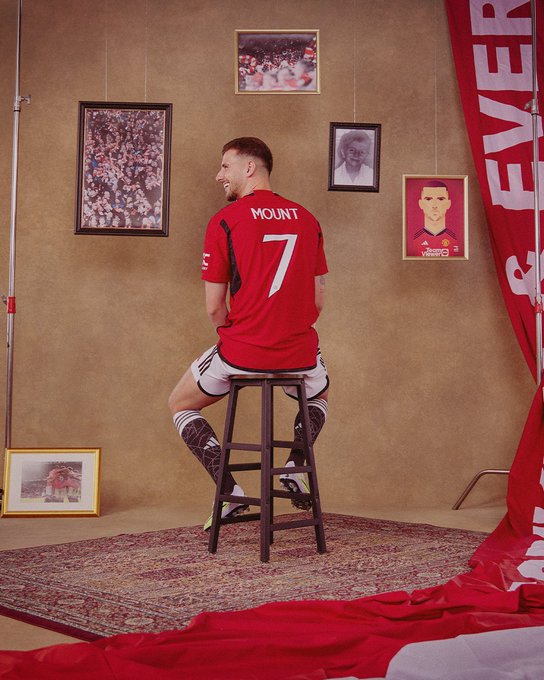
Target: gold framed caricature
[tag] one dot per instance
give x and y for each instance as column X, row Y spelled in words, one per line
column 435, row 217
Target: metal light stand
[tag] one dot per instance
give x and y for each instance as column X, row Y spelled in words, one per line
column 9, row 300
column 533, row 106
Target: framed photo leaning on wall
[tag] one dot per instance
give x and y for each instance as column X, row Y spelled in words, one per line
column 123, row 171
column 435, row 217
column 354, row 157
column 276, row 61
column 51, row 482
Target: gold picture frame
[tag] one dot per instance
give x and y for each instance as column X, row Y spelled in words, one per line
column 435, row 217
column 51, row 482
column 276, row 61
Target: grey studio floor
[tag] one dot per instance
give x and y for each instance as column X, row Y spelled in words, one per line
column 28, row 532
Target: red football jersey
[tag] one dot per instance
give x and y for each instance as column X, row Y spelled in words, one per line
column 444, row 244
column 269, row 250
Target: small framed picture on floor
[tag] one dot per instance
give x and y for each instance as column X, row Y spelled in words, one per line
column 51, row 482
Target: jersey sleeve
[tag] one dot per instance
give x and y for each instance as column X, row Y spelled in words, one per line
column 215, row 259
column 321, row 260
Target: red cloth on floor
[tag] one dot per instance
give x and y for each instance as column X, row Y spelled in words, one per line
column 303, row 640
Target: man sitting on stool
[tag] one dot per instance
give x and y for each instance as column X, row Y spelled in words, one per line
column 266, row 254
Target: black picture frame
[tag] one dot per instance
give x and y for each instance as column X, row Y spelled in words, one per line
column 361, row 138
column 123, row 168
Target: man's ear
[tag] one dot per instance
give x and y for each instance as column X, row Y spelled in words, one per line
column 251, row 166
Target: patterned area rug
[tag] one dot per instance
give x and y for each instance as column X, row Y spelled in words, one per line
column 159, row 580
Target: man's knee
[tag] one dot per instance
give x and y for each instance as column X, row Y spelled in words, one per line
column 173, row 403
column 183, row 395
column 187, row 396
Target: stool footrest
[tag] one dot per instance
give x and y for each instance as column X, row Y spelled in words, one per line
column 277, row 526
column 281, row 444
column 280, row 526
column 290, row 470
column 241, row 446
column 279, row 493
column 243, row 466
column 251, row 517
column 276, row 443
column 245, row 500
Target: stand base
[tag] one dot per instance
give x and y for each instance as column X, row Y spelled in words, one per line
column 472, row 483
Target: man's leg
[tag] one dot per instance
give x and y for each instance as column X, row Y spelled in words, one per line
column 185, row 403
column 317, row 410
column 296, row 482
column 317, row 383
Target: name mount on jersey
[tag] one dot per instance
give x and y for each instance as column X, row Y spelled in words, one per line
column 275, row 213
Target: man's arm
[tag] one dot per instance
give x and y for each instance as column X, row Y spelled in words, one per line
column 216, row 302
column 320, row 292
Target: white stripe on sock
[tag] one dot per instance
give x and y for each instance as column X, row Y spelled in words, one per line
column 321, row 404
column 183, row 418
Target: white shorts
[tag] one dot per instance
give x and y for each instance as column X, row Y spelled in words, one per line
column 212, row 375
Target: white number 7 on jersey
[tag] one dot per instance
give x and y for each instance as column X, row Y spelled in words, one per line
column 290, row 239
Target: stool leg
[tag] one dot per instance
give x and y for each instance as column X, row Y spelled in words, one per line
column 223, row 467
column 266, row 445
column 312, row 476
column 271, row 477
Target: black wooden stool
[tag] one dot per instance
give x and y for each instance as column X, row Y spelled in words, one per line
column 267, row 382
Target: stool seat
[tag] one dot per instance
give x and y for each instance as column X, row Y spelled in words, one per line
column 267, row 376
column 267, row 382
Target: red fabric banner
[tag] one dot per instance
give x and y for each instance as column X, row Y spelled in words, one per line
column 492, row 49
column 289, row 640
column 491, row 42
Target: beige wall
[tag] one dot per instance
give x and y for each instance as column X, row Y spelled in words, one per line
column 428, row 384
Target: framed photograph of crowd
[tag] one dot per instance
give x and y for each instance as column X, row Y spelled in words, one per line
column 354, row 157
column 435, row 217
column 51, row 482
column 276, row 61
column 123, row 172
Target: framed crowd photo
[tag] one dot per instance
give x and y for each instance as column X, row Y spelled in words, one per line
column 277, row 61
column 51, row 483
column 435, row 217
column 123, row 173
column 354, row 157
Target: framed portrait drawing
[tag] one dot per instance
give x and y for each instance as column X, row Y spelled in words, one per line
column 435, row 217
column 354, row 157
column 123, row 169
column 276, row 61
column 51, row 482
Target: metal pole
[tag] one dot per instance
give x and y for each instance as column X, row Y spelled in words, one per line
column 10, row 300
column 538, row 286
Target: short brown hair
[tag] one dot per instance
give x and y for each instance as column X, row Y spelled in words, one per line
column 251, row 146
